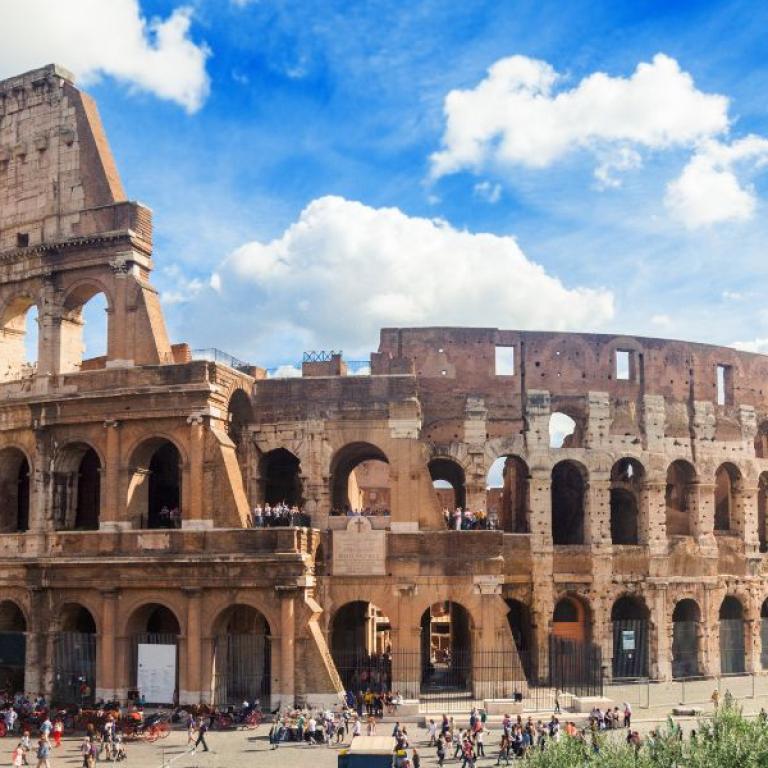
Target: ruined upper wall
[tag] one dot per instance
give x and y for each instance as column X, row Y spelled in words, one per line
column 572, row 364
column 55, row 162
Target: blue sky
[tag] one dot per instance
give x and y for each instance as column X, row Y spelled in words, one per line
column 308, row 119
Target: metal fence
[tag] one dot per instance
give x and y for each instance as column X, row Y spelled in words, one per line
column 558, row 672
column 241, row 669
column 74, row 667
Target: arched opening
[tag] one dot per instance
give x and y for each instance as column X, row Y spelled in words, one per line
column 630, row 638
column 281, row 478
column 626, row 486
column 762, row 503
column 84, row 331
column 362, row 647
column 563, row 431
column 154, row 493
column 685, row 639
column 568, row 491
column 732, row 656
column 449, row 484
column 446, row 647
column 507, row 494
column 521, row 626
column 19, row 339
column 13, row 646
column 241, row 657
column 761, row 441
column 360, row 480
column 570, row 620
column 727, row 487
column 681, row 477
column 764, row 635
column 77, row 488
column 14, row 491
column 74, row 657
column 154, row 633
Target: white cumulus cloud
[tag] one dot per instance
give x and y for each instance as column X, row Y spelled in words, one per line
column 515, row 116
column 709, row 191
column 93, row 38
column 491, row 193
column 759, row 345
column 343, row 270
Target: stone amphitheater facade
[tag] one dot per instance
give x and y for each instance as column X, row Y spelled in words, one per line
column 642, row 534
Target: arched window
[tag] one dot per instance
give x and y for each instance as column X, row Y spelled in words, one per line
column 77, row 488
column 154, row 495
column 685, row 639
column 681, row 477
column 241, row 657
column 13, row 629
column 281, row 478
column 446, row 647
column 727, row 489
column 14, row 491
column 570, row 620
column 629, row 616
column 507, row 493
column 84, row 329
column 360, row 479
column 732, row 649
column 568, row 491
column 18, row 339
column 626, row 484
column 448, row 481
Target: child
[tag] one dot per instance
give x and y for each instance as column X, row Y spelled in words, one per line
column 58, row 730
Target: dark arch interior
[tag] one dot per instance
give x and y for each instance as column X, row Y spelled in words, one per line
column 76, row 618
column 566, row 610
column 629, row 616
column 726, row 483
column 680, row 478
column 629, row 608
column 446, row 646
column 74, row 677
column 11, row 617
column 13, row 645
column 686, row 610
column 281, row 478
column 732, row 645
column 240, row 415
column 626, row 481
column 344, row 463
column 453, row 473
column 762, row 506
column 241, row 656
column 88, row 492
column 511, row 501
column 567, row 504
column 164, row 494
column 731, row 608
column 519, row 620
column 14, row 491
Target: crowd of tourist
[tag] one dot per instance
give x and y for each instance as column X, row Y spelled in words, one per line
column 280, row 515
column 461, row 519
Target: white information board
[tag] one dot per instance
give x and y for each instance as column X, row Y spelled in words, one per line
column 156, row 678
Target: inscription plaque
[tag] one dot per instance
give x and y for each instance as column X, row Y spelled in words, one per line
column 359, row 550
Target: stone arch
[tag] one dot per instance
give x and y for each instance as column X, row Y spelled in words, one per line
column 343, row 481
column 572, row 619
column 74, row 655
column 446, row 646
column 13, row 633
column 154, row 492
column 686, row 638
column 77, row 486
column 13, row 331
column 630, row 619
column 510, row 500
column 154, row 623
column 280, row 472
column 241, row 662
column 728, row 489
column 569, row 486
column 449, row 481
column 521, row 627
column 627, row 482
column 15, row 474
column 679, row 497
column 71, row 342
column 566, row 429
column 239, row 416
column 732, row 642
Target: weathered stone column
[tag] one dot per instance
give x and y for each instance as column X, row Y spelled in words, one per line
column 746, row 518
column 287, row 689
column 652, row 522
column 112, row 515
column 190, row 664
column 703, row 513
column 597, row 514
column 709, row 635
column 106, row 684
column 193, row 490
column 660, row 636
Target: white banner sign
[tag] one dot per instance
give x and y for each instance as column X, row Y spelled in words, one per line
column 156, row 679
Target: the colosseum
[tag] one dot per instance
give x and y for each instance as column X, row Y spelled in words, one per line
column 630, row 548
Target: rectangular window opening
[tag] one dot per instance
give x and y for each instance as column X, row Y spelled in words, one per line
column 22, row 239
column 505, row 361
column 625, row 365
column 724, row 383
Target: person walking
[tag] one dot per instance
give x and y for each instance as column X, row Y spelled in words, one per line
column 43, row 753
column 202, row 728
